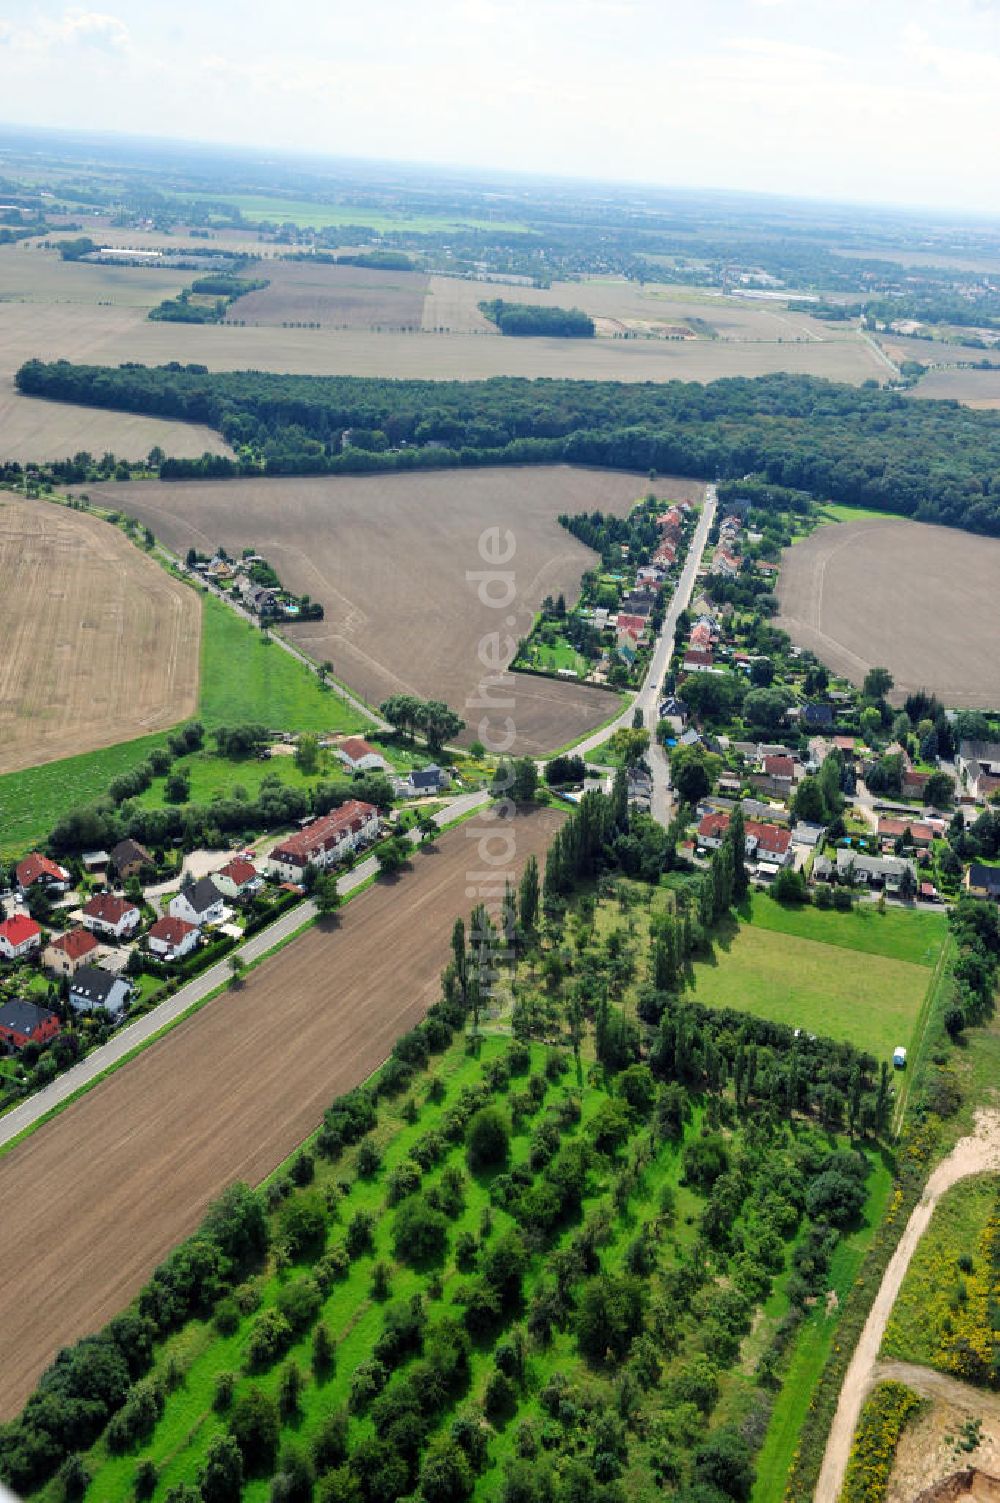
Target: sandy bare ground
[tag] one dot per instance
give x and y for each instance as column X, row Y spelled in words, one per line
column 928, row 1457
column 922, row 601
column 388, row 557
column 100, row 644
column 977, row 1154
column 96, row 1197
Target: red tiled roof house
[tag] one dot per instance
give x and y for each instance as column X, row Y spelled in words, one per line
column 19, row 936
column 107, row 913
column 65, row 952
column 326, row 841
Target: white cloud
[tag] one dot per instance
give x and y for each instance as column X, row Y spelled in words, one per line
column 73, row 29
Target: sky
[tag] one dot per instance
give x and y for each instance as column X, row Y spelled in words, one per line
column 882, row 101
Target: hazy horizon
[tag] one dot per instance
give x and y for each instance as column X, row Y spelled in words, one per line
column 893, row 105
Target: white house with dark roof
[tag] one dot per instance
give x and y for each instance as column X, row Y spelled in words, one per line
column 200, row 903
column 93, row 987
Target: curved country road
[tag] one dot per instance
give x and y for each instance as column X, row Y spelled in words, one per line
column 978, row 1154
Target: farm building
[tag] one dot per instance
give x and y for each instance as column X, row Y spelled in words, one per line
column 326, row 841
column 24, row 1023
column 107, row 913
column 92, row 987
column 239, row 879
column 360, row 756
column 200, row 903
column 172, row 938
column 37, row 870
column 64, row 953
column 19, row 936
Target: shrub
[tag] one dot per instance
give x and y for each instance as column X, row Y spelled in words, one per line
column 270, row 1336
column 254, row 1426
column 487, row 1139
column 360, row 1234
column 227, row 1316
column 420, row 1233
column 221, row 1478
column 225, row 1387
column 303, row 1224
column 299, row 1302
column 873, row 1451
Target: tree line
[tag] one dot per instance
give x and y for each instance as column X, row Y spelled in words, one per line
column 859, row 446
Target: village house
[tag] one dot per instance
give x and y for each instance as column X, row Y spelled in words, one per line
column 25, row 1023
column 199, row 903
column 894, row 829
column 978, row 764
column 422, row 781
column 628, row 622
column 37, row 870
column 697, row 659
column 816, row 717
column 875, row 871
column 93, row 987
column 674, row 711
column 107, row 913
column 129, row 858
column 66, row 952
column 779, row 768
column 725, row 563
column 172, row 938
column 914, row 783
column 359, row 756
column 326, row 840
column 982, row 881
column 19, row 937
column 769, row 843
column 238, row 879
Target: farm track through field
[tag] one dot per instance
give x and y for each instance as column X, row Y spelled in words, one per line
column 96, row 1197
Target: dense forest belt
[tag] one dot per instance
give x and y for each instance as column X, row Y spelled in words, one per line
column 867, row 447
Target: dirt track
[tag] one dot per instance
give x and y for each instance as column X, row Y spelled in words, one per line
column 100, row 644
column 979, row 1154
column 96, row 1197
column 921, row 600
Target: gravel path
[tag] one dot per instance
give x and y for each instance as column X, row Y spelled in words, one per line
column 978, row 1154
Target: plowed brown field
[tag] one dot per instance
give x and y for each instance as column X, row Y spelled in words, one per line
column 388, row 557
column 96, row 1197
column 920, row 600
column 100, row 644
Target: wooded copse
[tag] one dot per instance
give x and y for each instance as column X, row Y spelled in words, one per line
column 861, row 446
column 525, row 320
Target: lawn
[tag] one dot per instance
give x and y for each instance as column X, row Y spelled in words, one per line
column 31, row 801
column 933, row 1278
column 897, row 934
column 245, row 677
column 868, row 1000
